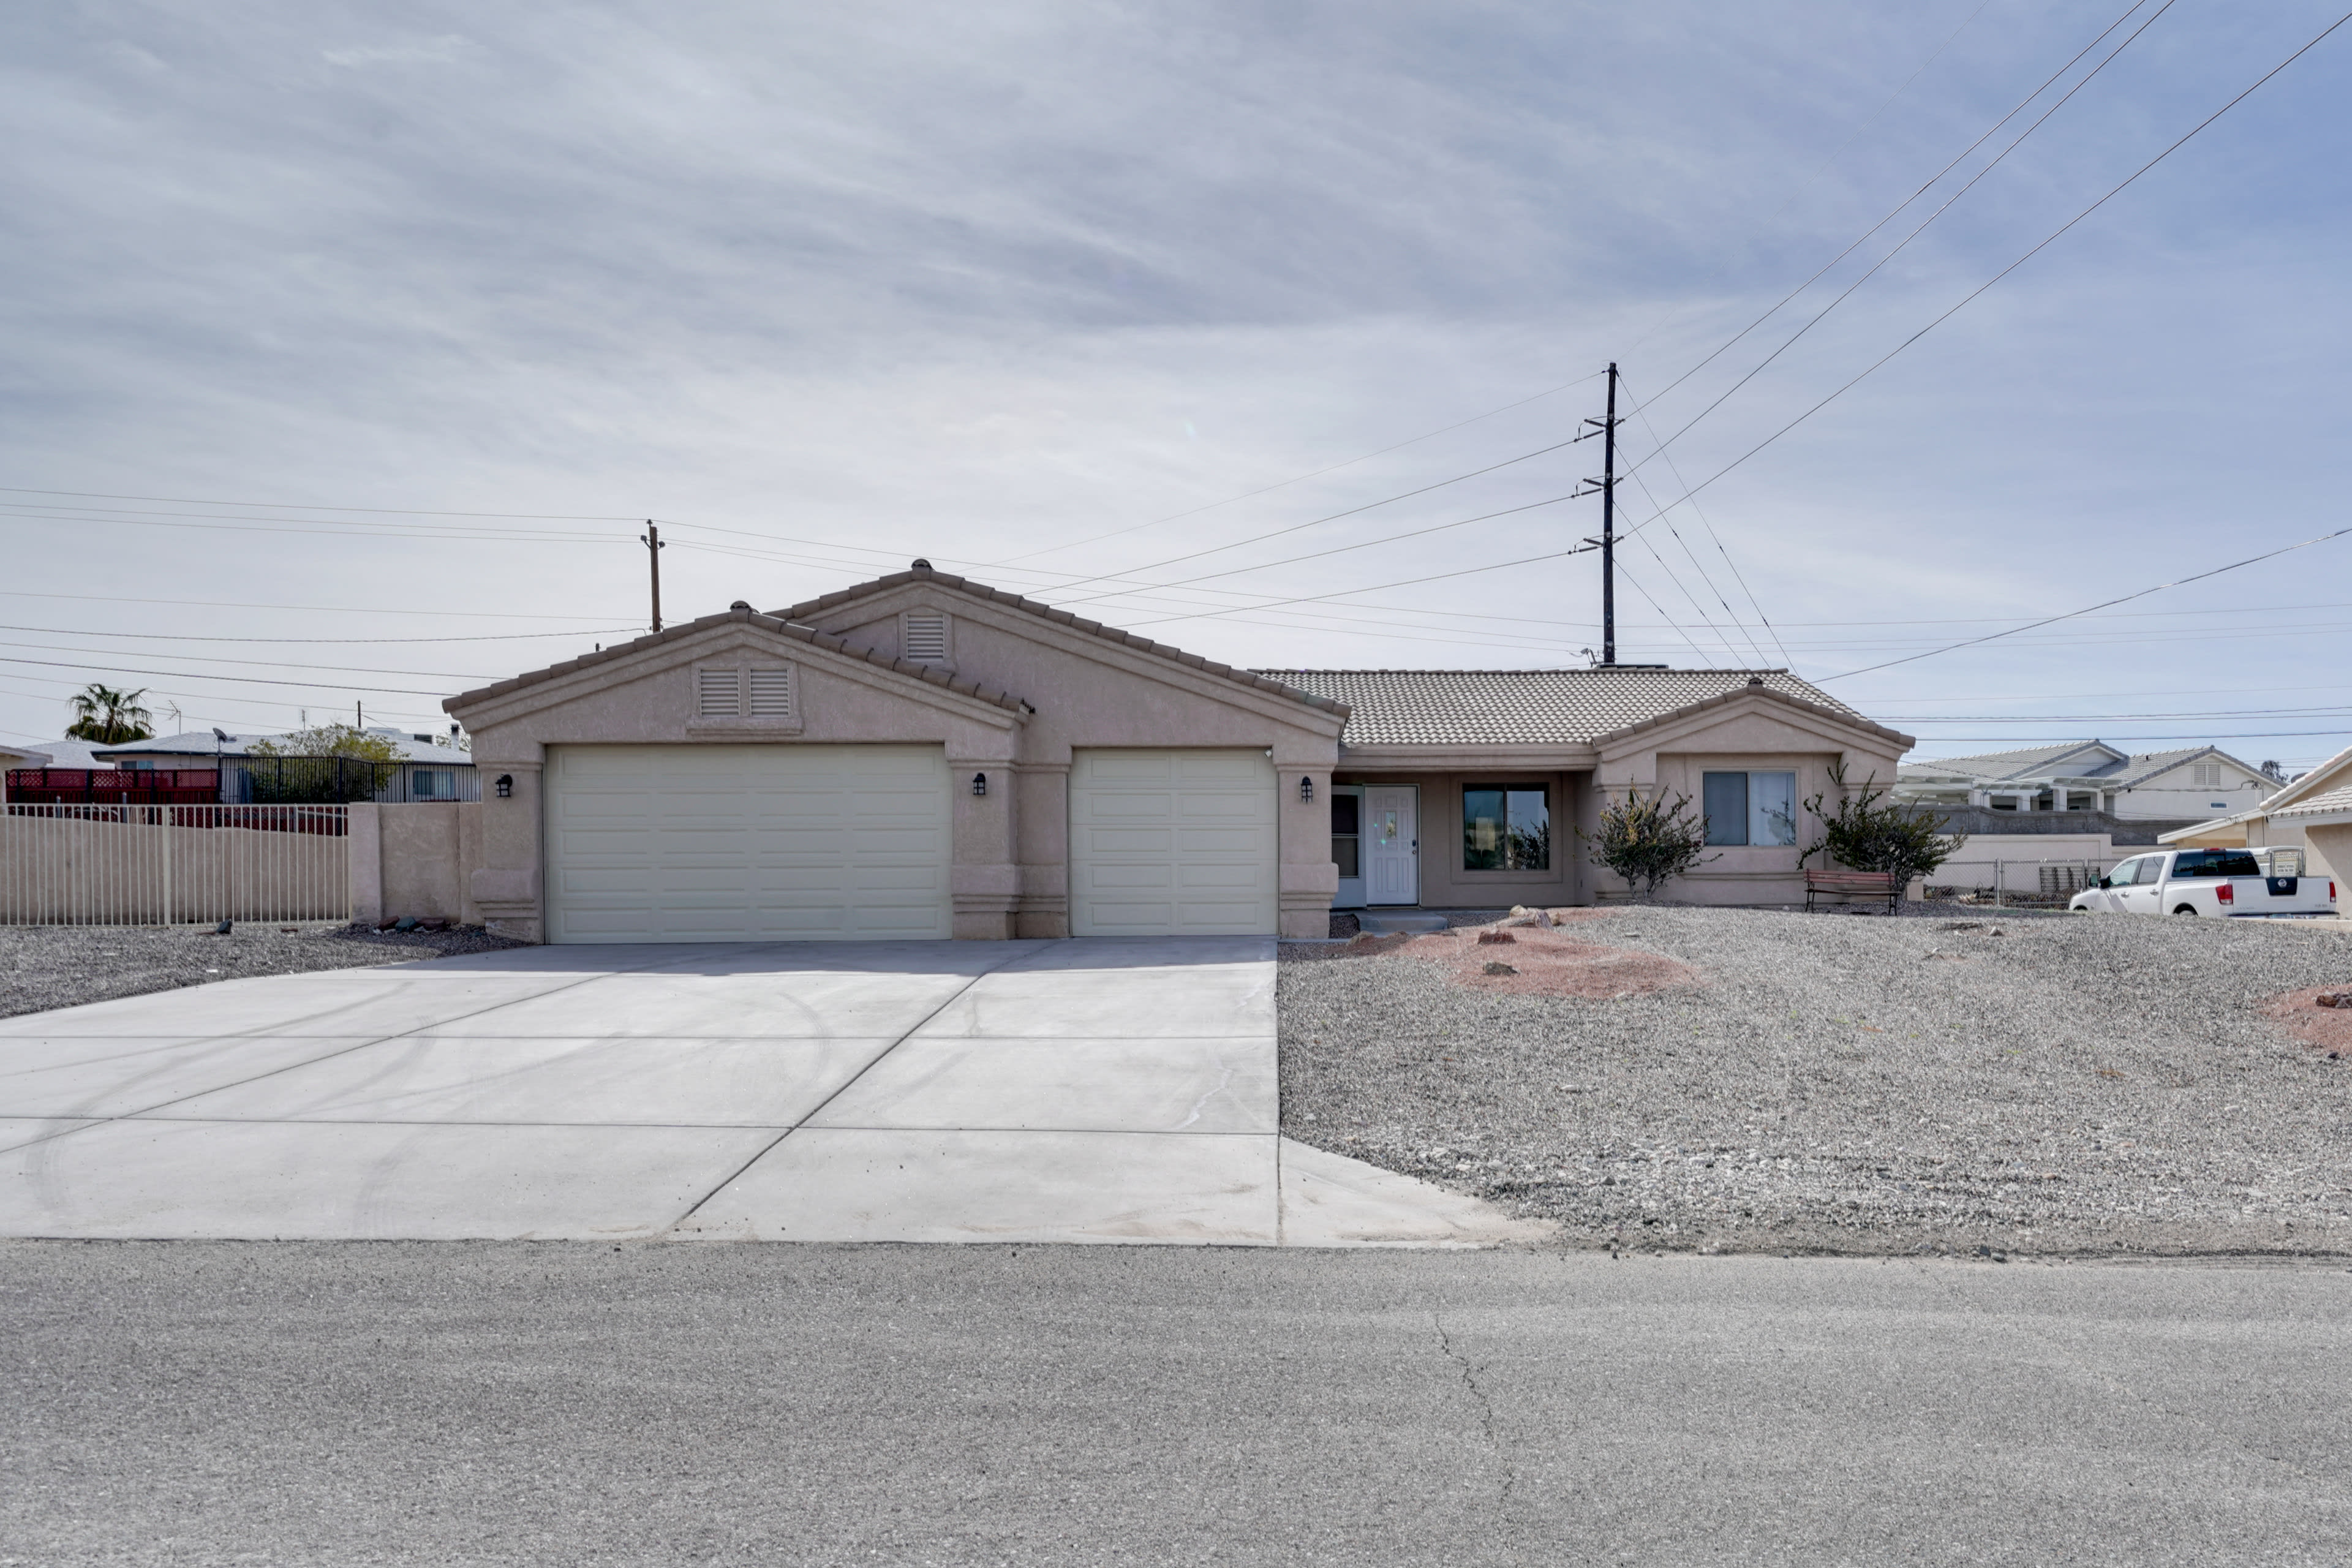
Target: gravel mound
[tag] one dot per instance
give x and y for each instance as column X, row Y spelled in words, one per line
column 43, row 967
column 2044, row 1084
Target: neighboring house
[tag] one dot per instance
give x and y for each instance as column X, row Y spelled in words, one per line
column 62, row 755
column 65, row 773
column 2176, row 787
column 2313, row 812
column 14, row 757
column 428, row 770
column 925, row 756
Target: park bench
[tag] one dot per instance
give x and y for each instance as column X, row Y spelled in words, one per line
column 1852, row 885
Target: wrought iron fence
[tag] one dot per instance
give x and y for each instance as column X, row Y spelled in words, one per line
column 290, row 781
column 2019, row 883
column 173, row 864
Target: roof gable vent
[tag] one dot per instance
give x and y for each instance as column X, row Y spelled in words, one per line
column 718, row 693
column 771, row 694
column 924, row 638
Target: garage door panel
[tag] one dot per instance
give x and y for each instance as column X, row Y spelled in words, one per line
column 1172, row 843
column 747, row 843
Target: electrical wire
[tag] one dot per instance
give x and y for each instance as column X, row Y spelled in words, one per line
column 240, row 680
column 179, row 637
column 320, row 609
column 1317, row 474
column 2125, row 599
column 2044, row 243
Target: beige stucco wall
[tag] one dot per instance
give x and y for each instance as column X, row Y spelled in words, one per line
column 1747, row 732
column 1445, row 882
column 415, row 858
column 1010, row 874
column 2328, row 853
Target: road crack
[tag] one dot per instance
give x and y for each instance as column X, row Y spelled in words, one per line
column 1509, row 1474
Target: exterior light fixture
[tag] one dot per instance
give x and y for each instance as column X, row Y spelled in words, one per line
column 505, row 786
column 1307, row 788
column 980, row 784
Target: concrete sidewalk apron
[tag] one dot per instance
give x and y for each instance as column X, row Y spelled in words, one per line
column 1093, row 1091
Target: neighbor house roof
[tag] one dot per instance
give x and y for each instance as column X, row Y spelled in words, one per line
column 64, row 753
column 1527, row 706
column 965, row 586
column 2114, row 765
column 204, row 743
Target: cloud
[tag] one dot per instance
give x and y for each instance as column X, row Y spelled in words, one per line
column 960, row 281
column 447, row 49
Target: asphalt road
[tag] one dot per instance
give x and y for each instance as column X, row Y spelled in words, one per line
column 213, row 1403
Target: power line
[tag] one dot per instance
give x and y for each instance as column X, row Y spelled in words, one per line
column 312, row 506
column 1333, row 517
column 2142, row 594
column 240, row 680
column 178, row 636
column 2005, row 271
column 1317, row 474
column 1896, row 210
column 1878, row 266
column 320, row 609
column 217, row 658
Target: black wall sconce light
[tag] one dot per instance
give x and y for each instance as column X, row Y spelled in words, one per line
column 506, row 787
column 980, row 784
column 1307, row 788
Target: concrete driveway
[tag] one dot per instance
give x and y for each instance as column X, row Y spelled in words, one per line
column 900, row 1092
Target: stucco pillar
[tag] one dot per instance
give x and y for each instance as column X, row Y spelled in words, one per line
column 1041, row 829
column 1309, row 879
column 507, row 885
column 984, row 877
column 366, row 849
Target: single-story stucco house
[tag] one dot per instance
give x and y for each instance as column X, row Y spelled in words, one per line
column 2313, row 813
column 925, row 756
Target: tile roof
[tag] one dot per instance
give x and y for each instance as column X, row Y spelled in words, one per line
column 1997, row 764
column 2333, row 800
column 2036, row 762
column 1525, row 707
column 1259, row 679
column 929, row 674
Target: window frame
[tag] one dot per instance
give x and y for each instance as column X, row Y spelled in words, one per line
column 1750, row 796
column 1539, row 787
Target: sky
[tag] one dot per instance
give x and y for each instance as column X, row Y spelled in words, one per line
column 349, row 348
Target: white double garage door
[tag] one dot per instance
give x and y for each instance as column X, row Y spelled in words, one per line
column 784, row 843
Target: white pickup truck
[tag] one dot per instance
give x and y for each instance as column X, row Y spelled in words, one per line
column 2219, row 884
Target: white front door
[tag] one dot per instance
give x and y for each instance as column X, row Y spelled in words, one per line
column 1391, row 844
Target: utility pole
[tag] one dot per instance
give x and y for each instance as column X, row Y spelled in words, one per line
column 1608, row 522
column 651, row 539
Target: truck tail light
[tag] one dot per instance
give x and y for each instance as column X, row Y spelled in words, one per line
column 2226, row 893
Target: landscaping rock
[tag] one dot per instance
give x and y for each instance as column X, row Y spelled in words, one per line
column 2082, row 1085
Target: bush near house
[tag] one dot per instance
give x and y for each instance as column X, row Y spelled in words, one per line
column 1861, row 835
column 1649, row 841
column 325, row 765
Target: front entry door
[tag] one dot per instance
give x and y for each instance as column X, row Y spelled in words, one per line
column 1392, row 844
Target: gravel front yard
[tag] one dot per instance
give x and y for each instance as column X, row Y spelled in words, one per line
column 2039, row 1085
column 43, row 967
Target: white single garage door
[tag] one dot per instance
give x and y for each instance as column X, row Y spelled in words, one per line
column 1173, row 843
column 746, row 843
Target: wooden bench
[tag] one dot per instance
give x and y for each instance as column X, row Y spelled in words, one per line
column 1852, row 885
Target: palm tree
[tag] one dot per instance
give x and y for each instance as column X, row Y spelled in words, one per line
column 108, row 716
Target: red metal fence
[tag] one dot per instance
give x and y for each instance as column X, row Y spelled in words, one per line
column 114, row 786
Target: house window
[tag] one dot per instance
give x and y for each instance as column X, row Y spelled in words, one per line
column 420, row 784
column 1347, row 829
column 2209, row 775
column 925, row 638
column 771, row 694
column 1505, row 828
column 718, row 693
column 1753, row 809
